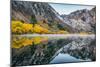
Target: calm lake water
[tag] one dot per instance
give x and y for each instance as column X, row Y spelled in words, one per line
column 51, row 49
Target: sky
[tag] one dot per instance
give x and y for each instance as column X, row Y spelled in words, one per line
column 68, row 8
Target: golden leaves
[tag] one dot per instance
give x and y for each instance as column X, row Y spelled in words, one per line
column 20, row 28
column 83, row 33
column 18, row 42
column 62, row 32
column 37, row 40
column 17, row 26
column 27, row 27
column 38, row 29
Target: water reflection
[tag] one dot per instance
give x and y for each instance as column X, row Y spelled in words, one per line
column 33, row 50
column 64, row 58
column 19, row 41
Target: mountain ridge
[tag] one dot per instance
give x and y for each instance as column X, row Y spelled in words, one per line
column 85, row 19
column 48, row 17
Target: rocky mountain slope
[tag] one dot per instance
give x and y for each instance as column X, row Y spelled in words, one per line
column 47, row 17
column 82, row 20
column 36, row 12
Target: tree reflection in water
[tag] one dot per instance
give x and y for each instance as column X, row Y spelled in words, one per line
column 42, row 50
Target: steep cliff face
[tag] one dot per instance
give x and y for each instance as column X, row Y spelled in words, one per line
column 32, row 12
column 82, row 20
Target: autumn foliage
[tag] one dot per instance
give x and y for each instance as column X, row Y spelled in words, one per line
column 38, row 29
column 19, row 27
column 18, row 42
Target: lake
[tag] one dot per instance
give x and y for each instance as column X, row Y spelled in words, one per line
column 50, row 49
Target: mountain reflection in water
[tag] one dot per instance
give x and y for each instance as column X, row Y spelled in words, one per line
column 35, row 50
column 65, row 58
